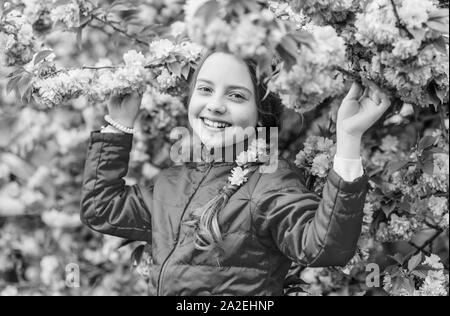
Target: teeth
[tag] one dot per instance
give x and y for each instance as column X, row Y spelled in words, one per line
column 214, row 124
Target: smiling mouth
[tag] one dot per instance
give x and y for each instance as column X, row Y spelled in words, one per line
column 214, row 125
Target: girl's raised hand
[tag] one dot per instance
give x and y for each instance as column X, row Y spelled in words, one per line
column 361, row 108
column 124, row 109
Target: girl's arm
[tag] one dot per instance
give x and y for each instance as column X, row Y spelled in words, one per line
column 324, row 232
column 107, row 204
column 305, row 228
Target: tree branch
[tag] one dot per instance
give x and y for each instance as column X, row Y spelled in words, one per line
column 442, row 118
column 428, row 242
column 349, row 73
column 115, row 28
column 400, row 23
column 98, row 68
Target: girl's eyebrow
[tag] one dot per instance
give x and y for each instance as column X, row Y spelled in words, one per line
column 229, row 87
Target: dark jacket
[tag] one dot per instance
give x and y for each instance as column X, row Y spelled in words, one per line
column 269, row 222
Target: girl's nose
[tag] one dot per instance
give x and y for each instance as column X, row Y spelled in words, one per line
column 216, row 107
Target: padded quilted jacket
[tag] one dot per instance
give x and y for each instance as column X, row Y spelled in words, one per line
column 271, row 221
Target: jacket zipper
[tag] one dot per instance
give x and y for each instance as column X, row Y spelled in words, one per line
column 161, row 274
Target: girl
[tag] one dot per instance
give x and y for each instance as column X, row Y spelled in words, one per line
column 210, row 235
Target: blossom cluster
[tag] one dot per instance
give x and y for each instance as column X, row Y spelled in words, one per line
column 16, row 39
column 317, row 156
column 131, row 77
column 433, row 283
column 60, row 87
column 326, row 11
column 70, row 14
column 161, row 112
column 404, row 58
column 252, row 34
column 165, row 68
column 257, row 152
column 171, row 63
column 285, row 12
column 421, row 201
column 313, row 78
column 163, row 12
column 398, row 228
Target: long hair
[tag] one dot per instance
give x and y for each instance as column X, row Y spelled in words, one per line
column 208, row 234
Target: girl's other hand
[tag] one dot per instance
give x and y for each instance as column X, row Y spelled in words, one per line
column 124, row 109
column 361, row 108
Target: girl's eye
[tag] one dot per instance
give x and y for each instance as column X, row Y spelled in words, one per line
column 238, row 97
column 204, row 90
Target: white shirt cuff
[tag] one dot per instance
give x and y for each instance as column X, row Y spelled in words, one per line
column 348, row 169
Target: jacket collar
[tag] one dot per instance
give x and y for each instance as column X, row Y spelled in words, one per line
column 197, row 153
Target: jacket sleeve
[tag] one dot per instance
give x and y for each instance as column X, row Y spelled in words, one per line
column 307, row 229
column 107, row 204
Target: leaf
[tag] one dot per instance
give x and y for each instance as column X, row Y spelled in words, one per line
column 16, row 72
column 394, row 166
column 426, row 142
column 290, row 45
column 405, row 283
column 42, row 55
column 303, row 37
column 123, row 6
column 438, row 14
column 441, row 94
column 404, row 206
column 415, row 261
column 398, row 258
column 419, row 34
column 441, row 45
column 185, row 71
column 12, row 84
column 175, row 68
column 26, row 96
column 427, row 167
column 422, row 274
column 24, row 83
column 136, row 255
column 208, row 11
column 264, row 66
column 437, row 150
column 439, row 26
column 289, row 60
column 388, row 208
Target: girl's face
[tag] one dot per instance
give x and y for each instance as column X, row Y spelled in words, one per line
column 223, row 101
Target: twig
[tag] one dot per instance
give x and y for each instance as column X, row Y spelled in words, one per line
column 349, row 73
column 115, row 28
column 428, row 242
column 417, row 248
column 400, row 23
column 98, row 68
column 442, row 118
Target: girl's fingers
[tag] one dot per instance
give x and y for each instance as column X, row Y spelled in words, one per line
column 115, row 100
column 378, row 95
column 374, row 96
column 355, row 92
column 365, row 95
